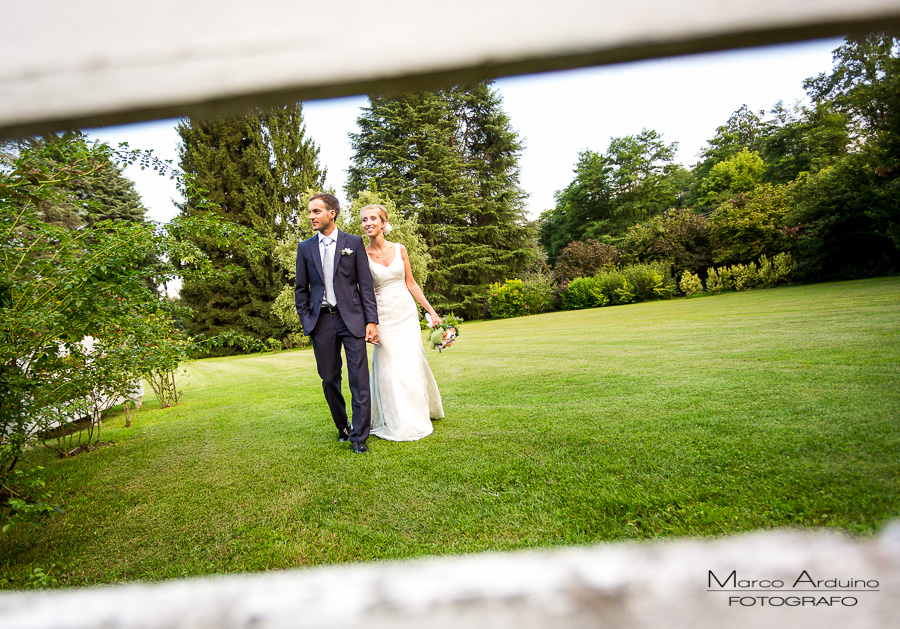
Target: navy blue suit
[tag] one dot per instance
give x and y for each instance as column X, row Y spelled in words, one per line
column 356, row 307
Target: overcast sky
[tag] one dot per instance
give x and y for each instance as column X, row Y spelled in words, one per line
column 558, row 114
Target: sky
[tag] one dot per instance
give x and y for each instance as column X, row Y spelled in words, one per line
column 556, row 114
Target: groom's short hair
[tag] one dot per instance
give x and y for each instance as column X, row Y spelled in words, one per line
column 329, row 200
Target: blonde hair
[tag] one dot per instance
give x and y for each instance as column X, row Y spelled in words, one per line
column 382, row 214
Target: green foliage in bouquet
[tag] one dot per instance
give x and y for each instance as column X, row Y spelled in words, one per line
column 444, row 334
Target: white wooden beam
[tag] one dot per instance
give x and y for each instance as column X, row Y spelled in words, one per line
column 96, row 62
column 620, row 586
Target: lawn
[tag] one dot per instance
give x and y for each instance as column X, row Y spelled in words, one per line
column 690, row 417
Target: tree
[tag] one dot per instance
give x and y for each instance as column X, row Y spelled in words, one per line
column 848, row 215
column 743, row 130
column 586, row 258
column 737, row 174
column 96, row 194
column 585, row 203
column 449, row 159
column 254, row 169
column 864, row 84
column 847, row 220
column 642, row 165
column 801, row 139
column 634, row 180
column 750, row 225
column 59, row 285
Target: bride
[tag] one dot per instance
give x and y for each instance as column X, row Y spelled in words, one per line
column 405, row 396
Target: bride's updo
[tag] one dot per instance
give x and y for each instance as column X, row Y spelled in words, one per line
column 382, row 214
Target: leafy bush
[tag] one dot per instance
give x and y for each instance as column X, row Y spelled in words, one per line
column 295, row 339
column 613, row 288
column 650, row 281
column 745, row 276
column 507, row 299
column 637, row 282
column 585, row 258
column 678, row 236
column 766, row 272
column 580, row 293
column 784, row 266
column 531, row 294
column 713, row 281
column 690, row 284
column 538, row 290
column 727, row 278
column 24, row 498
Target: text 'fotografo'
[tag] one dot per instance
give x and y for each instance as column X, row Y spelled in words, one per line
column 802, row 591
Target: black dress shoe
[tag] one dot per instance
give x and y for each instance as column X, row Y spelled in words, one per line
column 360, row 448
column 344, row 435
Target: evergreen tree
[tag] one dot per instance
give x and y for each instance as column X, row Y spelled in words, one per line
column 254, row 170
column 106, row 194
column 100, row 192
column 449, row 159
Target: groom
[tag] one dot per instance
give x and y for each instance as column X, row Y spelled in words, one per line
column 336, row 303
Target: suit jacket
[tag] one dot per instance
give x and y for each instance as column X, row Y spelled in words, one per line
column 352, row 284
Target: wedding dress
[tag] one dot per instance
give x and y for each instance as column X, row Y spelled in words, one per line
column 405, row 396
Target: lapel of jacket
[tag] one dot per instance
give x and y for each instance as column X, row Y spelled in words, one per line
column 316, row 256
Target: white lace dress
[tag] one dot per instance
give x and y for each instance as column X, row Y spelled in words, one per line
column 405, row 396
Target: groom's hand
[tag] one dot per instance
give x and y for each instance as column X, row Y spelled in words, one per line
column 371, row 334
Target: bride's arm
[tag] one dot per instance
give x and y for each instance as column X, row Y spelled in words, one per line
column 414, row 289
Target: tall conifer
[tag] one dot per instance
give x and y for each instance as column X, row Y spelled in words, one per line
column 450, row 159
column 253, row 168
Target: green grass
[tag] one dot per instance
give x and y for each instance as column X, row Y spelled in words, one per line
column 690, row 417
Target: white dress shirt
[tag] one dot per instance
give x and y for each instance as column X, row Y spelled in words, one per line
column 329, row 297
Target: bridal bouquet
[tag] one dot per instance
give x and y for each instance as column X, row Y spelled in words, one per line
column 443, row 334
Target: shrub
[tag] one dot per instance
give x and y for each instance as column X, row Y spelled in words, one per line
column 584, row 259
column 745, row 276
column 295, row 339
column 650, row 281
column 599, row 296
column 714, row 281
column 538, row 289
column 625, row 294
column 678, row 236
column 506, row 299
column 690, row 284
column 766, row 272
column 784, row 265
column 612, row 286
column 580, row 293
column 727, row 278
